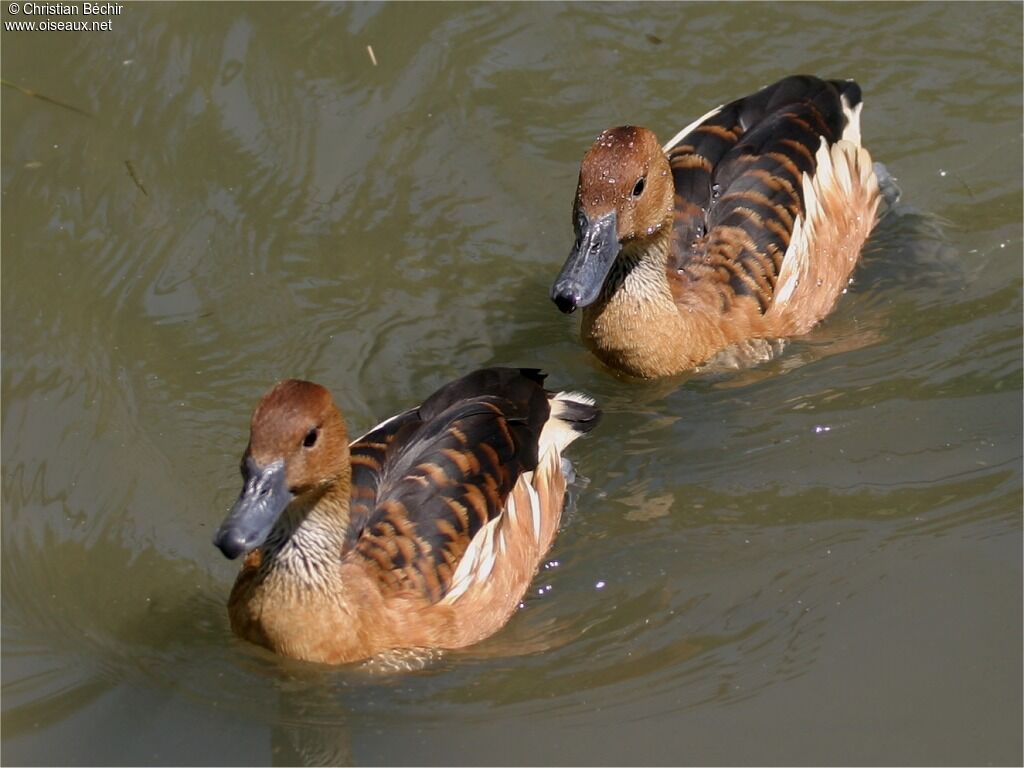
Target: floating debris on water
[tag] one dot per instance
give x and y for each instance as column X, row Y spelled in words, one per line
column 43, row 97
column 131, row 172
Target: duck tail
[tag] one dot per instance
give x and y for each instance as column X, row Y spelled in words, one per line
column 535, row 506
column 841, row 207
column 503, row 556
column 851, row 100
column 572, row 414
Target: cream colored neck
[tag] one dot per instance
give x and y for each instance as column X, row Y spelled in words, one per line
column 638, row 275
column 304, row 549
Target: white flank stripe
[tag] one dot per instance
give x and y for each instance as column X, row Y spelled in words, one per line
column 833, row 170
column 510, row 509
column 823, row 173
column 842, row 169
column 472, row 562
column 864, row 166
column 488, row 554
column 460, row 582
column 535, row 506
column 810, row 198
column 789, row 278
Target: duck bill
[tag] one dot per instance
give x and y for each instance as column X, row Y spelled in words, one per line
column 263, row 498
column 597, row 244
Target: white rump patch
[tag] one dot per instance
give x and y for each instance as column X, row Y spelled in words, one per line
column 557, row 434
column 576, row 397
column 851, row 132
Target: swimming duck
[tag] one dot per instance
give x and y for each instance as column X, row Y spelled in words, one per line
column 746, row 225
column 423, row 533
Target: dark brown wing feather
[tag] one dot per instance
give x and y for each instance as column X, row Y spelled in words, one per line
column 738, row 180
column 445, row 472
column 368, row 456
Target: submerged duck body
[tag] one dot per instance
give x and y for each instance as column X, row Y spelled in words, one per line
column 423, row 533
column 746, row 225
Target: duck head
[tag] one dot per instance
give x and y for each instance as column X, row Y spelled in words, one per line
column 298, row 447
column 624, row 196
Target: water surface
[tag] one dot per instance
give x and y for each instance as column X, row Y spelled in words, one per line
column 817, row 560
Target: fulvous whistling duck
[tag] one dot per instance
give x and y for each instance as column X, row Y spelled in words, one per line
column 746, row 225
column 422, row 534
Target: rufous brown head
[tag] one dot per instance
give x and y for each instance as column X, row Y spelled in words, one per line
column 625, row 194
column 297, row 444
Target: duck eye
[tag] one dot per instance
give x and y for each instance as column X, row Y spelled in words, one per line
column 310, row 439
column 638, row 188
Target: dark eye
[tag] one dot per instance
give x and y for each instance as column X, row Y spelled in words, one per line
column 638, row 188
column 310, row 439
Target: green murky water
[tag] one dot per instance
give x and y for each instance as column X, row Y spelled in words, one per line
column 814, row 561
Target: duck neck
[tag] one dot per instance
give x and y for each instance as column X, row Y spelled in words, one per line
column 304, row 548
column 635, row 325
column 638, row 277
